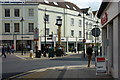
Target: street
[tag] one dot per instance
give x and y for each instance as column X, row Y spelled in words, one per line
column 13, row 65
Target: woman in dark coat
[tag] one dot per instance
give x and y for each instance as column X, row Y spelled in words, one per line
column 89, row 53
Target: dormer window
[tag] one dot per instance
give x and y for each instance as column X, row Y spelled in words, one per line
column 74, row 8
column 68, row 6
column 46, row 1
column 55, row 3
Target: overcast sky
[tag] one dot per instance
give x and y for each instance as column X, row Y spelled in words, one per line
column 94, row 4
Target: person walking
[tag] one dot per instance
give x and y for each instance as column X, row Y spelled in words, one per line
column 89, row 53
column 3, row 52
column 12, row 49
column 8, row 49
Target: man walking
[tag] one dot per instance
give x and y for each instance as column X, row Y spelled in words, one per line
column 89, row 53
column 3, row 52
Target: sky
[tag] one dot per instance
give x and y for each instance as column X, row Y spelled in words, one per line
column 94, row 4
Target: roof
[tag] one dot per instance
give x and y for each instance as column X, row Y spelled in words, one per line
column 102, row 8
column 61, row 4
column 85, row 10
column 94, row 12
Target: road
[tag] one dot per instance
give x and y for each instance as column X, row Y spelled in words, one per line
column 13, row 65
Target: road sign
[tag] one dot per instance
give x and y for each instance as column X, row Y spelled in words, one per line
column 96, row 32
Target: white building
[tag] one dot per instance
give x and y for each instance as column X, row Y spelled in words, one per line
column 72, row 24
column 109, row 13
column 33, row 15
column 12, row 29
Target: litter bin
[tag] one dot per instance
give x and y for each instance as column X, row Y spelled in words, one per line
column 38, row 54
column 51, row 52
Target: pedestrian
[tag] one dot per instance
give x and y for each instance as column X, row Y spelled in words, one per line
column 12, row 49
column 8, row 49
column 3, row 52
column 89, row 53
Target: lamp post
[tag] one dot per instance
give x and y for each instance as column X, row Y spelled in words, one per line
column 59, row 24
column 45, row 19
column 36, row 38
column 22, row 35
column 96, row 33
column 84, row 40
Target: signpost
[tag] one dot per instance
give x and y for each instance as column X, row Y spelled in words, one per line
column 36, row 37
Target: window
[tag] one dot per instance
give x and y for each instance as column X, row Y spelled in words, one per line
column 72, row 22
column 7, row 12
column 72, row 32
column 90, row 36
column 31, row 12
column 31, row 27
column 80, row 34
column 68, row 6
column 80, row 23
column 47, row 18
column 55, row 3
column 86, row 35
column 74, row 8
column 47, row 31
column 90, row 25
column 86, row 25
column 7, row 27
column 46, row 1
column 16, row 12
column 16, row 27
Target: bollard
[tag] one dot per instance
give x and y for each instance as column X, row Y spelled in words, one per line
column 31, row 54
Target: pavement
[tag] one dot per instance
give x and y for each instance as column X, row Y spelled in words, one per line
column 63, row 72
column 77, row 72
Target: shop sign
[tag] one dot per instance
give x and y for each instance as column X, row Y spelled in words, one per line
column 100, row 65
column 104, row 19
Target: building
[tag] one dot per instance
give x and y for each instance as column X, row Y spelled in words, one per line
column 72, row 24
column 17, row 23
column 109, row 13
column 33, row 12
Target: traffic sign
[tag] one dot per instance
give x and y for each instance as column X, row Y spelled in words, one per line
column 96, row 32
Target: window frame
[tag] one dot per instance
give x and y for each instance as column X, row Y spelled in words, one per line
column 6, row 27
column 29, row 27
column 7, row 13
column 72, row 21
column 72, row 33
column 18, row 12
column 31, row 12
column 17, row 27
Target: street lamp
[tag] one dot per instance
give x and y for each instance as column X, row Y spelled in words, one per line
column 22, row 35
column 96, row 33
column 59, row 24
column 45, row 19
column 84, row 40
